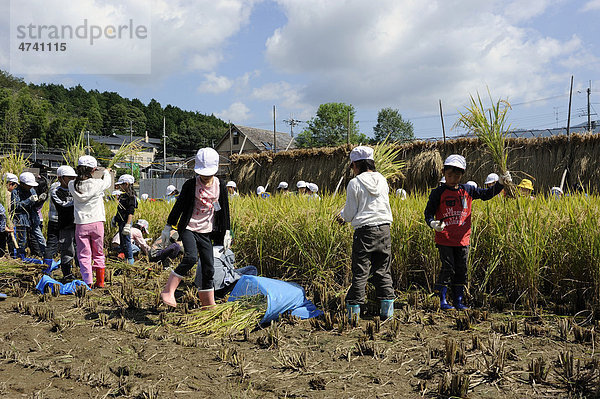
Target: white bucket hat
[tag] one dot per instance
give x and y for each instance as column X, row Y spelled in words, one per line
column 401, row 193
column 491, row 178
column 312, row 187
column 87, row 160
column 231, row 183
column 361, row 152
column 301, row 184
column 260, row 190
column 11, row 178
column 144, row 197
column 143, row 223
column 170, row 189
column 472, row 183
column 28, row 178
column 207, row 162
column 126, row 178
column 283, row 185
column 66, row 170
column 457, row 161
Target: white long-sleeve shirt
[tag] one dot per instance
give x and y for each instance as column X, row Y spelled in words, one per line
column 89, row 202
column 367, row 201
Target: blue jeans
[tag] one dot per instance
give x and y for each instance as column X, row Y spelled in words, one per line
column 125, row 242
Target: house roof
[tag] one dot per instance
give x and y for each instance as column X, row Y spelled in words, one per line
column 119, row 139
column 261, row 138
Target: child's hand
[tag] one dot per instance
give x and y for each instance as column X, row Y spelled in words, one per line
column 339, row 219
column 8, row 229
column 437, row 225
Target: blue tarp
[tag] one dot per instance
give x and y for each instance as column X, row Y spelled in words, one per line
column 281, row 297
column 50, row 269
column 65, row 289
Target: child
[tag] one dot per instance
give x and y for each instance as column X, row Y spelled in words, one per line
column 138, row 243
column 232, row 189
column 53, row 230
column 37, row 241
column 200, row 213
column 90, row 216
column 368, row 210
column 62, row 200
column 171, row 193
column 448, row 212
column 22, row 203
column 12, row 181
column 124, row 216
column 164, row 251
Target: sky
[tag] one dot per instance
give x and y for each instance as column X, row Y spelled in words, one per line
column 238, row 58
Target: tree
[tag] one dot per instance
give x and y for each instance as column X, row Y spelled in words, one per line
column 330, row 127
column 392, row 127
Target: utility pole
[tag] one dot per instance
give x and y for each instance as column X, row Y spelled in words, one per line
column 131, row 141
column 164, row 145
column 348, row 132
column 34, row 150
column 569, row 116
column 274, row 133
column 87, row 150
column 230, row 140
column 292, row 122
column 589, row 91
column 442, row 117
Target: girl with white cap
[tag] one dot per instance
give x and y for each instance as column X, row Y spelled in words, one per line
column 125, row 212
column 301, row 186
column 23, row 200
column 448, row 212
column 368, row 210
column 12, row 181
column 200, row 215
column 171, row 193
column 62, row 200
column 232, row 189
column 282, row 188
column 89, row 216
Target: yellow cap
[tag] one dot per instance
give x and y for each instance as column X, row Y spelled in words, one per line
column 526, row 184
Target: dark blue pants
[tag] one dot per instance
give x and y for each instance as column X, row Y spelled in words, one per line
column 197, row 246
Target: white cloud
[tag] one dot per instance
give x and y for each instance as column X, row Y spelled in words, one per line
column 237, row 112
column 215, row 84
column 591, row 5
column 523, row 10
column 409, row 54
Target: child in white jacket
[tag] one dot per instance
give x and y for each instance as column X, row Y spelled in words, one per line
column 89, row 212
column 368, row 210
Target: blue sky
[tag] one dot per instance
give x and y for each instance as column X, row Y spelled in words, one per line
column 238, row 58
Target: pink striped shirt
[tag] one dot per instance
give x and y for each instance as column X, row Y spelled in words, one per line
column 203, row 215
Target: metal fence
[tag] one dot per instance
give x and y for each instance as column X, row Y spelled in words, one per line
column 156, row 188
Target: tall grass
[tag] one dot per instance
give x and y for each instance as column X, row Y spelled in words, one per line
column 535, row 253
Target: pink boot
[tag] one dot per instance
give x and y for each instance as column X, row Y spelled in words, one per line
column 207, row 297
column 168, row 293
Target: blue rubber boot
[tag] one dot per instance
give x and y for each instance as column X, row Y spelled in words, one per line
column 353, row 310
column 444, row 305
column 386, row 310
column 458, row 293
column 130, row 261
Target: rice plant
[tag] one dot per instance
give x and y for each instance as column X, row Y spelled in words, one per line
column 125, row 151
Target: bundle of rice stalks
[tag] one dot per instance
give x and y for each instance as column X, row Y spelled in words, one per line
column 128, row 150
column 76, row 150
column 489, row 126
column 12, row 163
column 227, row 318
column 387, row 160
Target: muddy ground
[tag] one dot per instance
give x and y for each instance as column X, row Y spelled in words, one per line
column 116, row 342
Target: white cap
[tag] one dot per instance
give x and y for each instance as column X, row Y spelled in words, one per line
column 117, row 192
column 11, row 178
column 231, row 183
column 491, row 178
column 301, row 184
column 457, row 161
column 282, row 185
column 144, row 196
column 170, row 189
column 28, row 178
column 472, row 183
column 312, row 187
column 65, row 170
column 443, row 179
column 126, row 178
column 260, row 190
column 143, row 223
column 87, row 160
column 361, row 152
column 207, row 162
column 401, row 193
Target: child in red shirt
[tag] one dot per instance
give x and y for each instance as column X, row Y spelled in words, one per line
column 448, row 212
